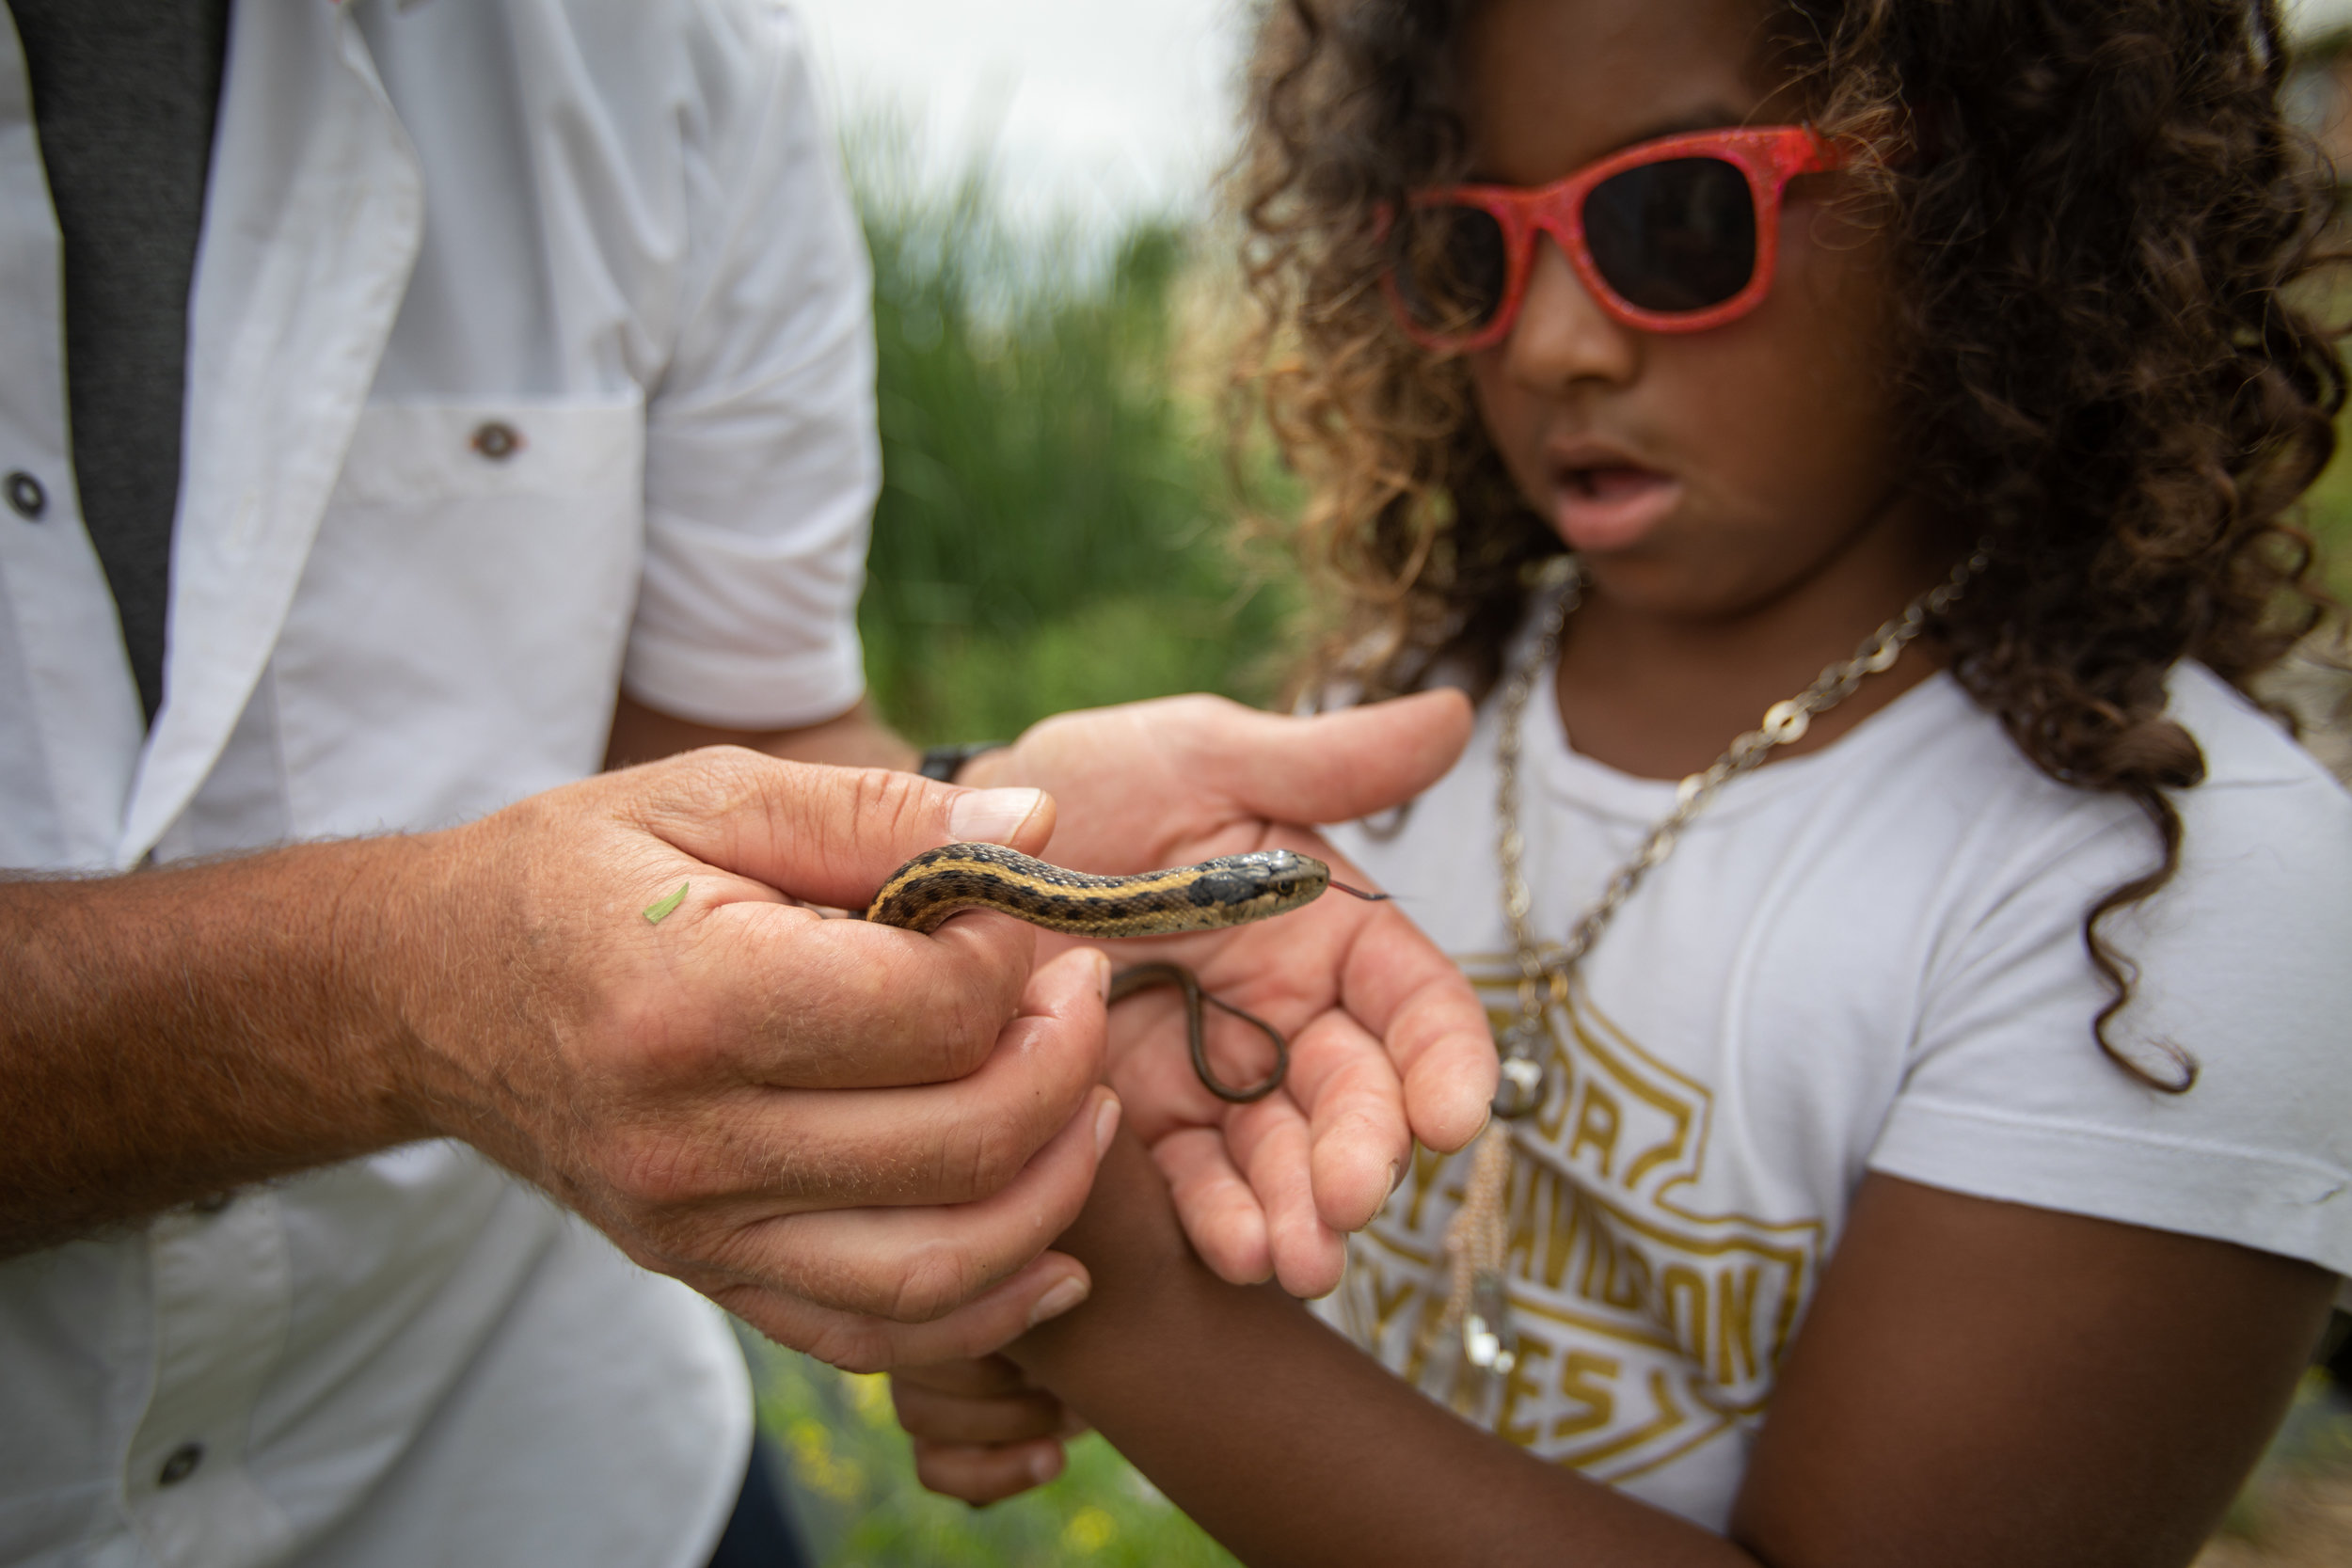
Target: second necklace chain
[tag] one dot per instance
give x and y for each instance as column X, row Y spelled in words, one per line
column 1475, row 1322
column 1560, row 585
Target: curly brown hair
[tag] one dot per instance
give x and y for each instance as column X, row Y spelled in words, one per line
column 2095, row 227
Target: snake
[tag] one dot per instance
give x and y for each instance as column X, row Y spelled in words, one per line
column 1213, row 894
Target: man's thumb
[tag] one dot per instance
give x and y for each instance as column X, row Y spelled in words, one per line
column 826, row 835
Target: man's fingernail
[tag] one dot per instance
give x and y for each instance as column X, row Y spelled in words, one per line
column 1105, row 1125
column 1102, row 973
column 1061, row 1299
column 991, row 816
column 1396, row 1175
column 1044, row 1465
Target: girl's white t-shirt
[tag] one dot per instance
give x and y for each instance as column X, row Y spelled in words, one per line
column 1866, row 958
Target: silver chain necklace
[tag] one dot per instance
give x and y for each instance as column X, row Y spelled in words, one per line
column 1476, row 1315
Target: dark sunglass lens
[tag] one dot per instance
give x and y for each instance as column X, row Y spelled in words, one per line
column 1673, row 236
column 1453, row 265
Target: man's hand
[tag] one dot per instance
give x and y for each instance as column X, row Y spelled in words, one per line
column 835, row 1129
column 859, row 1138
column 1388, row 1043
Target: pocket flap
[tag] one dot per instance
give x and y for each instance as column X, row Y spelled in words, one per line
column 443, row 452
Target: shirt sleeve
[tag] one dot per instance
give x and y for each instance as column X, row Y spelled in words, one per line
column 2241, row 963
column 762, row 461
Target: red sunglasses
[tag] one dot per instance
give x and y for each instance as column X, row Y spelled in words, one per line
column 1672, row 235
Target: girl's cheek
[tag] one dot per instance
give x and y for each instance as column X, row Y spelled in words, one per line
column 1512, row 424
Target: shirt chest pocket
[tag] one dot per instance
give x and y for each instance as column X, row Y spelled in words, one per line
column 456, row 638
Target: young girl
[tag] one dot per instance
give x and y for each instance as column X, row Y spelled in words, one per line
column 1926, row 1130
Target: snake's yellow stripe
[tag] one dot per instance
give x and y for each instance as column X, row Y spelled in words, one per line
column 1231, row 889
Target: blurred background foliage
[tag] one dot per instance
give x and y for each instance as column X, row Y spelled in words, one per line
column 1053, row 533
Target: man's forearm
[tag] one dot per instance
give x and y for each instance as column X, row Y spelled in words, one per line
column 170, row 1035
column 173, row 1034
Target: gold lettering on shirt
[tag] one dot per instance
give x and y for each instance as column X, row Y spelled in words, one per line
column 1646, row 1328
column 1586, row 1379
column 1385, row 1303
column 1597, row 1122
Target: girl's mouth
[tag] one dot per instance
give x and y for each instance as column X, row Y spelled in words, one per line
column 1608, row 506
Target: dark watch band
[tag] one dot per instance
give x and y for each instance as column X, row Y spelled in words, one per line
column 945, row 762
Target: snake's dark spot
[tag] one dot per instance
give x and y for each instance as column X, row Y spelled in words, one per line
column 1223, row 887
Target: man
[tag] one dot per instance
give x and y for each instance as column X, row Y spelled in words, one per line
column 525, row 360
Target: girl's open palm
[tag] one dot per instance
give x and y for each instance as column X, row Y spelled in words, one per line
column 1388, row 1043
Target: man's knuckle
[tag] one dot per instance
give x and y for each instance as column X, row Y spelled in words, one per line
column 969, row 1027
column 898, row 805
column 853, row 1346
column 654, row 1174
column 658, row 1039
column 990, row 1162
column 933, row 1283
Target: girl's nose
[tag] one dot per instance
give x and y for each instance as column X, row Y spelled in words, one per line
column 1563, row 336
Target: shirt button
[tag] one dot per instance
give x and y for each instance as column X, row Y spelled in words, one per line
column 498, row 440
column 182, row 1465
column 26, row 496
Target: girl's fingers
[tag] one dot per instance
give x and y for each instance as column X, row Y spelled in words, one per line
column 983, row 1474
column 1221, row 1214
column 1431, row 1025
column 1269, row 1142
column 965, row 1418
column 1355, row 1108
column 975, row 1378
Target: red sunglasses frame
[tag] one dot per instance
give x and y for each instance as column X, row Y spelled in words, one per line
column 1770, row 156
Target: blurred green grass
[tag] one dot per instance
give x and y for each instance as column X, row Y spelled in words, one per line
column 1051, row 531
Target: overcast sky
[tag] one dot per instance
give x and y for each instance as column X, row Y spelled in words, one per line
column 1088, row 107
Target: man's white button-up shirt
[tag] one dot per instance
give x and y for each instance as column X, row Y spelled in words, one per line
column 529, row 359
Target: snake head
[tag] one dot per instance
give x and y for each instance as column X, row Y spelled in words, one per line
column 1291, row 876
column 1259, row 883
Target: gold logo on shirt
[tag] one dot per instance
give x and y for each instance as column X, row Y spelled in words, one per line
column 1645, row 1328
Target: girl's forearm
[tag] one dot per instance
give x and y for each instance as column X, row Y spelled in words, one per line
column 1288, row 1444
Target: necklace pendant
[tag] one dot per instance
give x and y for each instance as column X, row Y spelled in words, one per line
column 1520, row 1090
column 1467, row 1364
column 1487, row 1342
